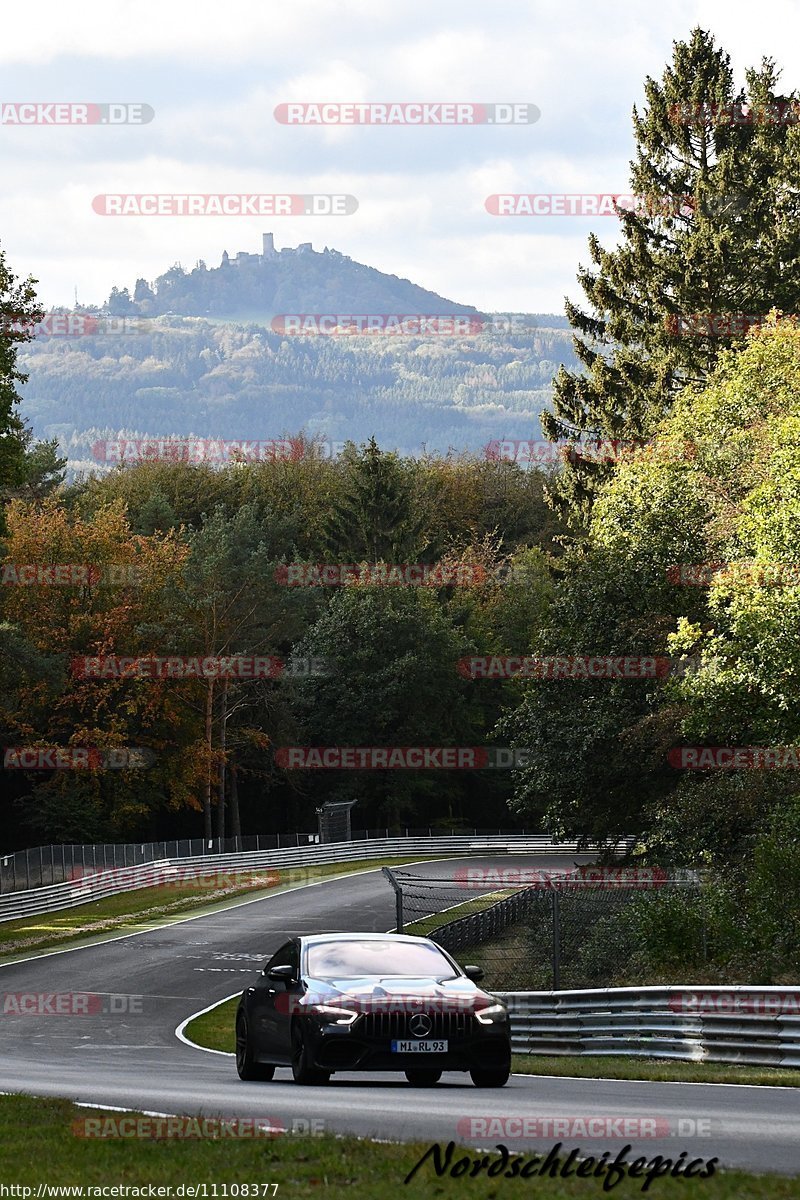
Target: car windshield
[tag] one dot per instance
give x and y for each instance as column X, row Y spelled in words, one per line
column 352, row 959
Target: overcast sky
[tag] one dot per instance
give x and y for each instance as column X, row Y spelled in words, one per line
column 214, row 73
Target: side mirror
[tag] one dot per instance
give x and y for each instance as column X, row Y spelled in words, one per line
column 474, row 973
column 282, row 974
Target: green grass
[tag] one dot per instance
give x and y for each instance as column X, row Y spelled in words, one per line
column 508, row 962
column 427, row 925
column 146, row 908
column 38, row 1145
column 215, row 1030
column 602, row 1066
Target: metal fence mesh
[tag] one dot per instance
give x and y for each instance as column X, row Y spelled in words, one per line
column 567, row 932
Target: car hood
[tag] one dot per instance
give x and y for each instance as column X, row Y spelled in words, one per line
column 389, row 993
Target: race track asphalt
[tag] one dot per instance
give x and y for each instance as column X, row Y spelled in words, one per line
column 126, row 1052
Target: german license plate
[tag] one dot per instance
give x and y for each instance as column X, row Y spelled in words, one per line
column 419, row 1047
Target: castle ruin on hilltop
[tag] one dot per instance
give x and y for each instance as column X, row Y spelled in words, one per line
column 269, row 253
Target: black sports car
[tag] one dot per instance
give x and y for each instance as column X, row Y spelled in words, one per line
column 370, row 1002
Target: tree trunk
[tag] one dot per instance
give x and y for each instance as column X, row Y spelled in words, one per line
column 223, row 727
column 209, row 743
column 236, row 827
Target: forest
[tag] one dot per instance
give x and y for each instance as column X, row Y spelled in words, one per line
column 368, row 583
column 184, row 376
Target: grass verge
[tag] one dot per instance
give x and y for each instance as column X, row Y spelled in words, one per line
column 428, row 925
column 658, row 1070
column 39, row 1145
column 215, row 1030
column 146, row 908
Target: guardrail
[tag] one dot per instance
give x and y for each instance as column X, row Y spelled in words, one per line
column 759, row 1026
column 104, row 883
column 41, row 866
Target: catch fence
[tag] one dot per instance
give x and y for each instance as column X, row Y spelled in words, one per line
column 534, row 928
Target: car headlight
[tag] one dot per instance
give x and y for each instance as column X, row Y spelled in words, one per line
column 334, row 1016
column 495, row 1014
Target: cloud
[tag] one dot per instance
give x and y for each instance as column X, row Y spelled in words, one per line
column 214, row 75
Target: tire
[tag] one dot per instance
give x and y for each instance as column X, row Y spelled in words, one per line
column 490, row 1077
column 423, row 1076
column 246, row 1066
column 302, row 1070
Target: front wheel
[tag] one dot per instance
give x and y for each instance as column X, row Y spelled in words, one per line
column 302, row 1069
column 423, row 1076
column 490, row 1077
column 246, row 1066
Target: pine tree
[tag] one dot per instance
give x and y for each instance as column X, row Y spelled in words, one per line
column 376, row 518
column 713, row 236
column 19, row 312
